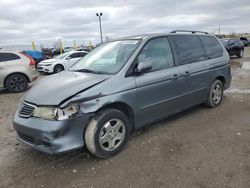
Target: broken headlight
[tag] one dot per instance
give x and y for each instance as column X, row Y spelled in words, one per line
column 52, row 113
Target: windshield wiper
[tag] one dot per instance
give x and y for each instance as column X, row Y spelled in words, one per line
column 91, row 71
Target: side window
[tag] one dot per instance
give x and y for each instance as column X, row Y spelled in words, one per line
column 77, row 55
column 74, row 55
column 212, row 46
column 231, row 42
column 8, row 57
column 238, row 42
column 157, row 51
column 188, row 49
column 82, row 54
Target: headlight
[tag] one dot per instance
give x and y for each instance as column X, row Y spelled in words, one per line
column 48, row 64
column 67, row 112
column 51, row 113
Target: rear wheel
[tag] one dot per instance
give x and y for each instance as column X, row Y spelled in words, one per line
column 107, row 133
column 215, row 95
column 16, row 83
column 58, row 68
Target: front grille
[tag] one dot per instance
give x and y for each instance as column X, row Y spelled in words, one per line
column 26, row 110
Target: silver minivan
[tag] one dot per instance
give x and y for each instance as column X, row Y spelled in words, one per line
column 121, row 86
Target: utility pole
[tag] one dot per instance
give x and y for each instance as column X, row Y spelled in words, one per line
column 100, row 24
column 219, row 31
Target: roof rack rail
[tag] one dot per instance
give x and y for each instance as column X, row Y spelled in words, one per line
column 186, row 31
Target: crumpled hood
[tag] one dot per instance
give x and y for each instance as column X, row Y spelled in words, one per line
column 52, row 90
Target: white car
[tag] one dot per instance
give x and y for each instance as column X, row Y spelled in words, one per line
column 17, row 70
column 61, row 62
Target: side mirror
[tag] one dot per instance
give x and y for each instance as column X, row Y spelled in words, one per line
column 67, row 58
column 143, row 66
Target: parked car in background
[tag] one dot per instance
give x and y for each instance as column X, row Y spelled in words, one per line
column 16, row 70
column 67, row 49
column 234, row 46
column 26, row 48
column 244, row 40
column 61, row 62
column 122, row 85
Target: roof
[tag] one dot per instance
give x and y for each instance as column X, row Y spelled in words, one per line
column 151, row 35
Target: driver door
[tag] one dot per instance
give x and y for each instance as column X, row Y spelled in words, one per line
column 160, row 91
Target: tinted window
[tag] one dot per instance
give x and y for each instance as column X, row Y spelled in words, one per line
column 212, row 47
column 8, row 57
column 225, row 42
column 238, row 42
column 188, row 49
column 77, row 55
column 231, row 42
column 157, row 51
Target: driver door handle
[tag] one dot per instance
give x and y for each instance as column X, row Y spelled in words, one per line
column 175, row 76
column 187, row 73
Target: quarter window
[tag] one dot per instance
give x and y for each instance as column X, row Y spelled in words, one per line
column 212, row 47
column 158, row 52
column 188, row 49
column 8, row 57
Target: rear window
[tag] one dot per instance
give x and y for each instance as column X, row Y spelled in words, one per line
column 188, row 49
column 8, row 57
column 212, row 47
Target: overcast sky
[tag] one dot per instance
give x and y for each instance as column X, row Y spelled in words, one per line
column 45, row 21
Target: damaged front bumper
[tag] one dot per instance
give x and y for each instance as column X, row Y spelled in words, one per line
column 52, row 137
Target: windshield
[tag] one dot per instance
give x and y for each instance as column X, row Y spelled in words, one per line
column 224, row 41
column 108, row 58
column 62, row 56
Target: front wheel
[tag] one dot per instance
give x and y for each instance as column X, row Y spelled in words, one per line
column 58, row 68
column 215, row 94
column 107, row 133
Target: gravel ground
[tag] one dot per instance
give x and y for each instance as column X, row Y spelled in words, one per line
column 200, row 147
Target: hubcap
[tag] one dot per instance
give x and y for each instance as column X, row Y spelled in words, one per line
column 59, row 69
column 217, row 93
column 112, row 135
column 17, row 83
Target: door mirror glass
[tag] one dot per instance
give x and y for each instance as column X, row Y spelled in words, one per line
column 143, row 66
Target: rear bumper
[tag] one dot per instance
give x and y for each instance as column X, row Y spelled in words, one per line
column 52, row 137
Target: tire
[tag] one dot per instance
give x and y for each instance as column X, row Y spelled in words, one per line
column 107, row 133
column 58, row 68
column 241, row 53
column 16, row 83
column 215, row 94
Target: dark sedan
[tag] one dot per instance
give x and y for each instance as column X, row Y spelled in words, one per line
column 234, row 46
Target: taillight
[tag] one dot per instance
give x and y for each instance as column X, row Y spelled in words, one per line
column 32, row 61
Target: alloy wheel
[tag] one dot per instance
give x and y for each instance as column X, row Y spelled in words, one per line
column 112, row 135
column 17, row 83
column 217, row 93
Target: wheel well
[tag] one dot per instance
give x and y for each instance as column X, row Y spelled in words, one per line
column 126, row 109
column 222, row 79
column 15, row 73
column 59, row 65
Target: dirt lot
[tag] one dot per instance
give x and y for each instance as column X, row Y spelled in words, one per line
column 200, row 147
